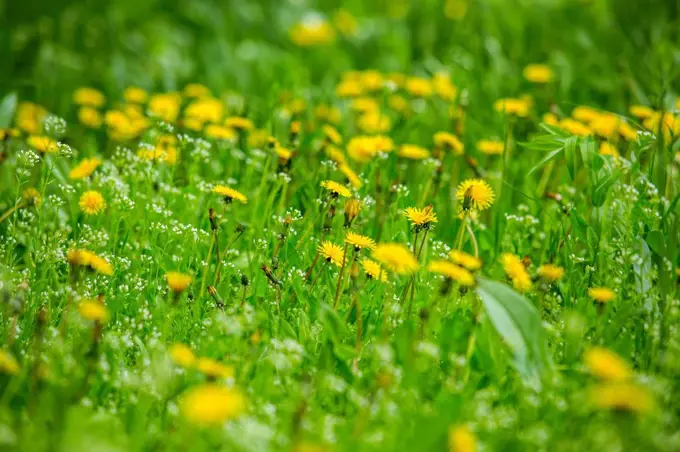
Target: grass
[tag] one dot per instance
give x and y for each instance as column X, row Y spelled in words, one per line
column 164, row 311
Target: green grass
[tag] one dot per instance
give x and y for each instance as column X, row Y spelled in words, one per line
column 421, row 356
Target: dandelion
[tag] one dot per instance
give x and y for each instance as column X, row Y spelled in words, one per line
column 490, row 147
column 238, row 123
column 182, row 355
column 461, row 439
column 85, row 168
column 359, row 241
column 641, row 111
column 165, row 106
column 550, row 273
column 538, row 73
column 452, row 271
column 31, row 197
column 421, row 218
column 178, row 282
column 336, row 189
column 218, row 132
column 89, row 97
column 413, row 152
column 516, row 271
column 214, row 369
column 331, row 134
column 331, row 252
column 94, row 310
column 212, row 404
column 418, row 87
column 90, row 117
column 43, row 144
column 352, row 209
column 606, row 364
column 87, row 258
column 135, row 95
column 351, row 176
column 465, row 260
column 448, row 141
column 601, row 294
column 229, row 194
column 92, row 202
column 474, row 194
column 513, row 106
column 575, row 127
column 607, row 148
column 373, row 270
column 8, row 364
column 313, row 31
column 100, row 265
column 621, row 397
column 396, row 257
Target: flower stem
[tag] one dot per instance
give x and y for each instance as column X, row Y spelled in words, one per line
column 319, row 274
column 340, row 275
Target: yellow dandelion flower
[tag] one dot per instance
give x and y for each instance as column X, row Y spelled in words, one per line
column 43, row 144
column 413, row 152
column 135, row 95
column 373, row 270
column 621, row 397
column 31, row 197
column 461, row 439
column 606, row 364
column 359, row 241
column 513, row 106
column 575, row 127
column 585, row 113
column 100, row 265
column 364, row 104
column 607, row 148
column 374, row 122
column 178, row 282
column 331, row 252
column 516, row 271
column 29, row 117
column 446, row 140
column 229, row 194
column 238, row 123
column 94, row 310
column 601, row 294
column 90, row 117
column 352, row 208
column 214, row 369
column 212, row 404
column 490, row 147
column 421, row 218
column 550, row 272
column 396, row 257
column 336, row 189
column 418, row 87
column 85, row 168
column 550, row 119
column 8, row 364
column 331, row 134
column 351, row 176
column 538, row 73
column 284, row 154
column 92, row 202
column 89, row 97
column 641, row 111
column 443, row 87
column 475, row 194
column 312, row 31
column 465, row 260
column 165, row 106
column 452, row 271
column 196, row 90
column 218, row 132
column 182, row 355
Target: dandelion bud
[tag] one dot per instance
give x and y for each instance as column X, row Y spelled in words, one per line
column 352, row 208
column 240, row 228
column 213, row 219
column 244, row 280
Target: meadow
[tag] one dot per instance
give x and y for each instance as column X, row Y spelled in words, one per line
column 358, row 226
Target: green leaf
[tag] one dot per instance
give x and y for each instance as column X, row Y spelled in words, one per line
column 554, row 130
column 7, row 108
column 518, row 322
column 655, row 240
column 570, row 155
column 546, row 159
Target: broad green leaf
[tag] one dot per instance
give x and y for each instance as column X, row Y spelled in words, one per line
column 7, row 108
column 655, row 240
column 550, row 156
column 571, row 155
column 554, row 130
column 519, row 323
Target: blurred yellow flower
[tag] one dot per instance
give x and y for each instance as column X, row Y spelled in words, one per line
column 601, row 294
column 396, row 257
column 621, row 397
column 85, row 168
column 490, row 147
column 89, row 97
column 178, row 282
column 8, row 364
column 229, row 194
column 90, row 117
column 43, row 144
column 182, row 355
column 538, row 73
column 212, row 404
column 446, row 140
column 92, row 202
column 336, row 189
column 465, row 260
column 313, row 31
column 214, row 369
column 461, row 439
column 606, row 364
column 516, row 271
column 373, row 270
column 94, row 310
column 135, row 95
column 550, row 272
column 413, row 152
column 452, row 271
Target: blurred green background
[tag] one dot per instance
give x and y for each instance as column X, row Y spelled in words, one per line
column 607, row 52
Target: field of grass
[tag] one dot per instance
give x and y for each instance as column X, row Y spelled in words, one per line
column 340, row 226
